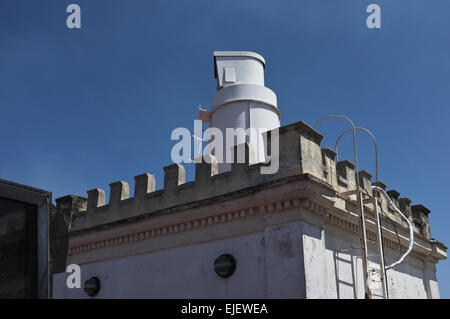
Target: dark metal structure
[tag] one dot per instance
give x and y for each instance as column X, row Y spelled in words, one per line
column 24, row 241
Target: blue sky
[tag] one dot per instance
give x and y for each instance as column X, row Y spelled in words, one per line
column 83, row 108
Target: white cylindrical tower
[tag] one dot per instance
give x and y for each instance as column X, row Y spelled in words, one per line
column 242, row 101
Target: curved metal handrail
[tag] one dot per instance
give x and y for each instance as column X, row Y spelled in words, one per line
column 353, row 128
column 374, row 141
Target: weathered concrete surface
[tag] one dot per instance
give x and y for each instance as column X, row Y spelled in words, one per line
column 184, row 272
column 284, row 268
column 294, row 260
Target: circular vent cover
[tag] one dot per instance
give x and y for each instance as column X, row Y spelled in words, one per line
column 92, row 286
column 225, row 265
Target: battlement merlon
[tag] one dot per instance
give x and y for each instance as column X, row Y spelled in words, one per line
column 299, row 153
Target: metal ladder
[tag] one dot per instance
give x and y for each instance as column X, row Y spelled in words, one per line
column 364, row 198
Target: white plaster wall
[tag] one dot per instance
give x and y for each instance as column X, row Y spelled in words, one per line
column 184, row 272
column 407, row 280
column 295, row 260
column 343, row 257
column 285, row 274
column 269, row 264
column 334, row 268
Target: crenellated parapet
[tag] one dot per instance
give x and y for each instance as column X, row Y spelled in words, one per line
column 299, row 153
column 420, row 218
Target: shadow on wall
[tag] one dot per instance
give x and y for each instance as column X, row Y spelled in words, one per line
column 345, row 272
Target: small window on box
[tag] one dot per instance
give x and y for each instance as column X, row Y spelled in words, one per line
column 230, row 75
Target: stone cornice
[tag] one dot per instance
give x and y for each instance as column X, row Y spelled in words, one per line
column 345, row 220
